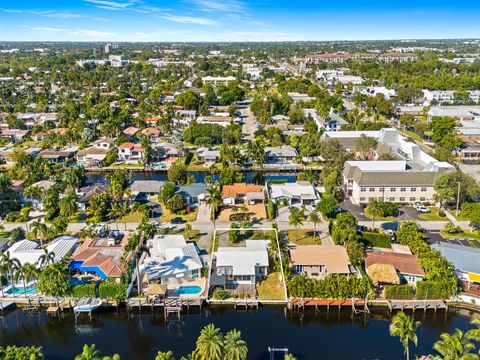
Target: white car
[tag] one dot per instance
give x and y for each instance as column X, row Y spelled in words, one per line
column 422, row 209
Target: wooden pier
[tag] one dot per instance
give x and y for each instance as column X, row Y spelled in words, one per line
column 247, row 304
column 357, row 306
column 170, row 306
column 417, row 305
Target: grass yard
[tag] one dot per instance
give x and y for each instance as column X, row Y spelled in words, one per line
column 131, row 218
column 376, row 240
column 303, row 237
column 380, row 218
column 461, row 235
column 433, row 215
column 167, row 216
column 271, row 288
column 194, row 234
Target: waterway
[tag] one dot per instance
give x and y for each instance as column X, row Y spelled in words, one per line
column 332, row 335
column 199, row 176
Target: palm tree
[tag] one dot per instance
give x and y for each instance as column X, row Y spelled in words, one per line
column 168, row 355
column 12, row 266
column 289, row 357
column 214, row 199
column 89, row 353
column 115, row 212
column 148, row 229
column 192, row 356
column 315, row 219
column 46, row 258
column 141, row 249
column 186, row 231
column 68, row 204
column 39, row 230
column 296, row 219
column 3, row 273
column 256, row 152
column 456, row 346
column 404, row 327
column 234, row 347
column 375, row 209
column 210, row 343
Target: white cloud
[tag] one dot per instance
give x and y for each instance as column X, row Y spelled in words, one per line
column 228, row 6
column 189, row 19
column 55, row 14
column 112, row 5
column 84, row 33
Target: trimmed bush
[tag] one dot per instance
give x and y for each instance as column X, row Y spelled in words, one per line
column 376, row 240
column 85, row 290
column 432, row 290
column 112, row 290
column 401, row 292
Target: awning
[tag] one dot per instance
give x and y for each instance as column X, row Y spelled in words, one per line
column 474, row 277
column 156, row 289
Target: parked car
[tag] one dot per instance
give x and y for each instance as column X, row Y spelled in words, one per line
column 177, row 220
column 421, row 208
column 388, row 231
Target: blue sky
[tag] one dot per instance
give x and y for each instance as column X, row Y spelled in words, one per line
column 236, row 20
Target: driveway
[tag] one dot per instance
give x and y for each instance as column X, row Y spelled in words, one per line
column 355, row 210
column 203, row 215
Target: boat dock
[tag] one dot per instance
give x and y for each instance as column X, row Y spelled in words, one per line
column 170, row 306
column 246, row 304
column 357, row 306
column 417, row 305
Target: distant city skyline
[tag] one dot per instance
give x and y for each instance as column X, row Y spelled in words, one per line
column 236, row 20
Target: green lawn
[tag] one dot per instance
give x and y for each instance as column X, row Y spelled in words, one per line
column 167, row 216
column 132, row 217
column 463, row 234
column 432, row 215
column 303, row 237
column 386, row 218
column 194, row 234
column 271, row 288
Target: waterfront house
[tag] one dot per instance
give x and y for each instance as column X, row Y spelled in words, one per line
column 146, row 187
column 318, row 261
column 240, row 193
column 130, row 132
column 208, row 155
column 58, row 155
column 86, row 193
column 280, row 154
column 406, row 267
column 167, row 150
column 101, row 256
column 466, row 261
column 91, row 156
column 298, row 193
column 154, row 133
column 30, row 252
column 241, row 265
column 171, row 261
column 130, row 152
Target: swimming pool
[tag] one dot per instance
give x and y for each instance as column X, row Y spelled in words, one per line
column 188, row 290
column 19, row 290
column 76, row 281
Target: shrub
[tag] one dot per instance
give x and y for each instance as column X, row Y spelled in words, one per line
column 85, row 290
column 389, row 208
column 220, row 294
column 17, row 234
column 376, row 240
column 112, row 290
column 451, row 228
column 432, row 290
column 402, row 292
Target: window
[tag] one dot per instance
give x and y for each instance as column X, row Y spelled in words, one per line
column 413, row 189
column 403, row 189
column 402, row 199
column 423, row 189
column 422, row 199
column 381, row 198
column 371, row 199
column 372, row 189
column 363, row 189
column 382, row 189
column 412, row 198
column 393, row 189
column 362, row 199
column 392, row 199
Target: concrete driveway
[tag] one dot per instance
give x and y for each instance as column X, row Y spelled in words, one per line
column 204, row 211
column 354, row 209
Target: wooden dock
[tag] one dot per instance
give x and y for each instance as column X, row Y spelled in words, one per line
column 247, row 304
column 355, row 304
column 169, row 306
column 413, row 305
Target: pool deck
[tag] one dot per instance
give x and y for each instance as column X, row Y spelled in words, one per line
column 201, row 282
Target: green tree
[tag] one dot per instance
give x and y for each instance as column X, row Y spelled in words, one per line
column 315, row 219
column 289, row 357
column 210, row 343
column 21, row 353
column 234, row 347
column 328, row 206
column 89, row 353
column 168, row 355
column 456, row 346
column 405, row 328
column 375, row 210
column 214, row 200
column 176, row 203
column 178, row 173
column 39, row 230
column 68, row 204
column 54, row 280
column 167, row 191
column 296, row 219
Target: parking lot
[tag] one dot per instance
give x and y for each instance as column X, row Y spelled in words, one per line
column 407, row 212
column 435, row 238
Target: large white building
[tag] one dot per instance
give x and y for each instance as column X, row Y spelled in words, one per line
column 218, row 80
column 409, row 178
column 448, row 96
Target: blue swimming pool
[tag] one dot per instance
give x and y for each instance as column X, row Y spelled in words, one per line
column 76, row 281
column 188, row 290
column 19, row 290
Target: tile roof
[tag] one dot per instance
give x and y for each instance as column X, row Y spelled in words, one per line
column 240, row 188
column 334, row 257
column 403, row 263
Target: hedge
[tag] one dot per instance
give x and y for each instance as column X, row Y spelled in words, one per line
column 376, row 240
column 112, row 290
column 401, row 292
column 432, row 290
column 85, row 290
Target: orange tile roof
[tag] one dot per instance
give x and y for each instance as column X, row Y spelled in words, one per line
column 132, row 130
column 239, row 188
column 127, row 145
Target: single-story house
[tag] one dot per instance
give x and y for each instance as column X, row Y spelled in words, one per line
column 208, row 155
column 242, row 265
column 318, row 261
column 91, row 156
column 300, row 192
column 171, row 260
column 407, row 268
column 280, row 154
column 240, row 193
column 192, row 193
column 146, row 187
column 86, row 193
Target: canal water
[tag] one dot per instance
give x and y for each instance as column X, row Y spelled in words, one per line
column 323, row 335
column 199, row 176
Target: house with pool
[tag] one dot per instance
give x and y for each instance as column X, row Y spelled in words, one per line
column 172, row 261
column 100, row 258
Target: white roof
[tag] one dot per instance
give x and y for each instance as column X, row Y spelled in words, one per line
column 350, row 134
column 379, row 165
column 243, row 260
column 170, row 255
column 29, row 252
column 293, row 190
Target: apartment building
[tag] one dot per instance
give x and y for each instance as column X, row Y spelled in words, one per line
column 449, row 96
column 409, row 178
column 218, row 80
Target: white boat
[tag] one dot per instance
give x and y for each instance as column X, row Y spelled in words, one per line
column 87, row 305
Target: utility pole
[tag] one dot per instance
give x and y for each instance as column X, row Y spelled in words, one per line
column 458, row 196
